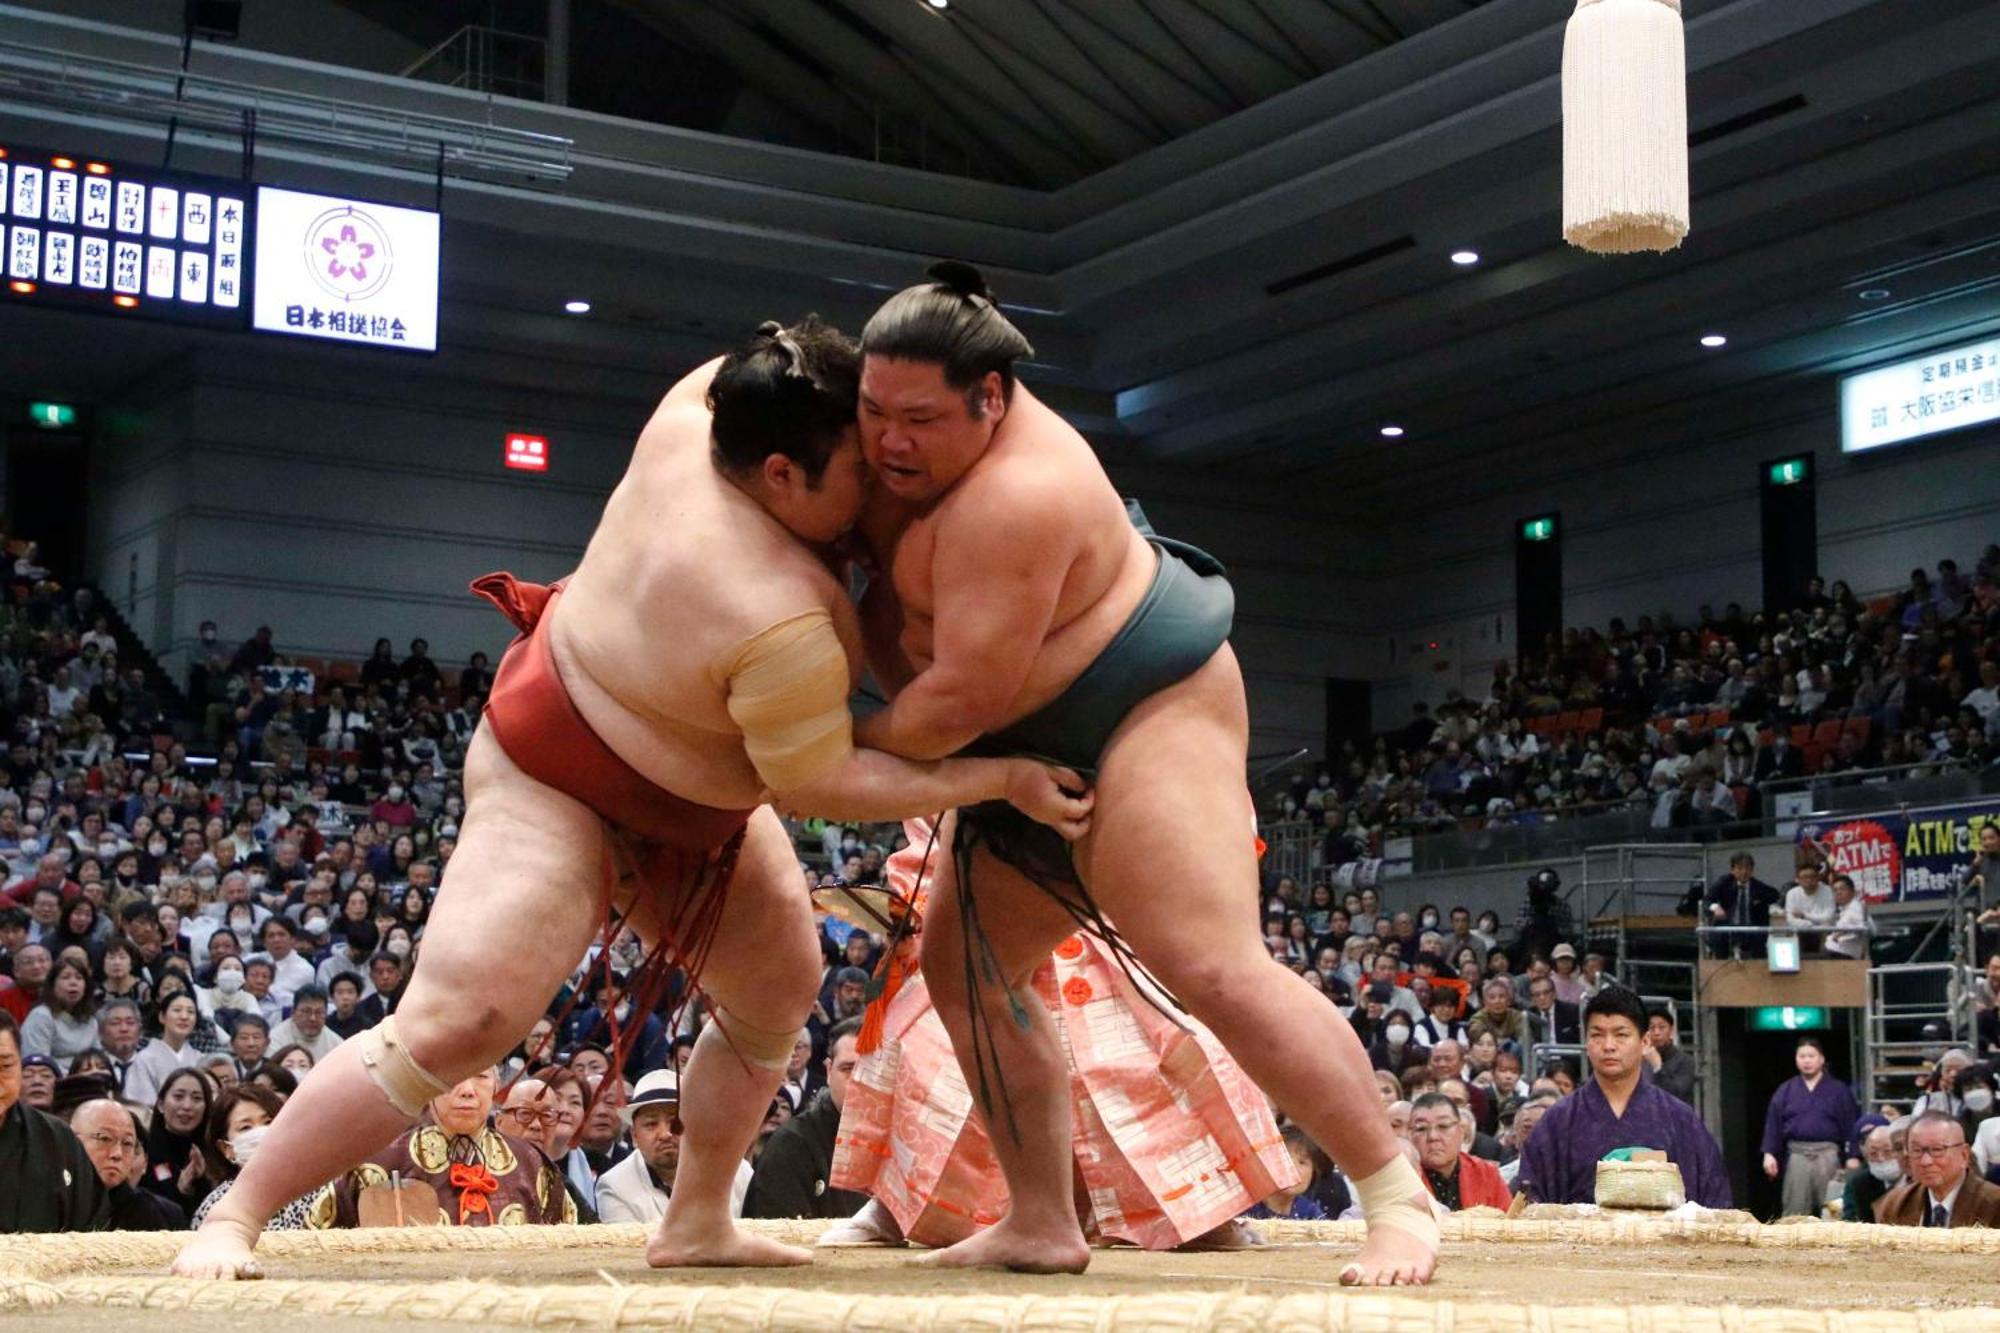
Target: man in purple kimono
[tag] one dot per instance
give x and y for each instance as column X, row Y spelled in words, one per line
column 1809, row 1132
column 1617, row 1108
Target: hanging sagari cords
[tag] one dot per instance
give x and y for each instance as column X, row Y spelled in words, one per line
column 1625, row 153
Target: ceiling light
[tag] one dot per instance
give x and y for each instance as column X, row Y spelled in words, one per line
column 1465, row 258
column 939, row 4
column 1714, row 340
column 1392, row 432
column 577, row 307
column 1874, row 294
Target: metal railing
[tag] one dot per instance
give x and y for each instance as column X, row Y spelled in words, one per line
column 1787, row 801
column 486, row 60
column 150, row 94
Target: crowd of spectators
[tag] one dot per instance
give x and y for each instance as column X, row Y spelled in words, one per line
column 1688, row 722
column 201, row 903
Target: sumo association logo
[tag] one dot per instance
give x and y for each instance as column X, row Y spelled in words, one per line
column 347, row 251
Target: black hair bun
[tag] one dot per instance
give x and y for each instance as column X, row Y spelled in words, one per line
column 960, row 277
column 770, row 328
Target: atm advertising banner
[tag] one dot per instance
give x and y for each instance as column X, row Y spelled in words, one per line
column 1921, row 856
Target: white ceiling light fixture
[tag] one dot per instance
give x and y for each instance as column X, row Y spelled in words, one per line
column 1392, row 432
column 1874, row 294
column 1714, row 340
column 1465, row 258
column 577, row 307
column 938, row 4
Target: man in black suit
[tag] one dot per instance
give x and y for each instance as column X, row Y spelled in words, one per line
column 1779, row 759
column 1739, row 898
column 1550, row 1021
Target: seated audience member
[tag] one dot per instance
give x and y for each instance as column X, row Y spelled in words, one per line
column 1551, row 1022
column 791, row 1179
column 1671, row 1066
column 637, row 1188
column 1298, row 1201
column 39, row 1076
column 1498, row 1015
column 534, row 1113
column 602, row 1137
column 1808, row 902
column 64, row 1025
column 1881, row 1170
column 307, row 1025
column 1850, row 916
column 1942, row 1191
column 343, row 993
column 110, row 1135
column 1739, row 899
column 175, row 1167
column 1456, row 1178
column 802, row 1079
column 595, row 1025
column 455, row 1167
column 1616, row 1108
column 248, row 1042
column 171, row 1050
column 121, row 1038
column 1442, row 1023
column 235, row 1127
column 1519, row 1133
column 47, row 1181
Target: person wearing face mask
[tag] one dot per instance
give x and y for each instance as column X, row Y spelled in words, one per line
column 1393, row 1048
column 1976, row 1112
column 228, row 996
column 235, row 1129
column 1881, row 1170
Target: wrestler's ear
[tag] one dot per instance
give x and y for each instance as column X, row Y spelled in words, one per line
column 778, row 471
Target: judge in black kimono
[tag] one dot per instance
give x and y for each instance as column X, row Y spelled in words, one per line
column 47, row 1182
column 453, row 1169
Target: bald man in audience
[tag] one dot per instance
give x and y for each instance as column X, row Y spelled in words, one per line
column 115, row 1145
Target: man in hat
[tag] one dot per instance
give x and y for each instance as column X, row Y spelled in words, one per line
column 39, row 1076
column 637, row 1189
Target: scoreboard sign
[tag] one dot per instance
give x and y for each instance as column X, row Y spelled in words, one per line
column 78, row 231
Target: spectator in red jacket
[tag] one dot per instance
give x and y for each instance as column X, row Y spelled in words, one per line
column 1457, row 1179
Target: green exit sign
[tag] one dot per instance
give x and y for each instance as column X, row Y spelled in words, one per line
column 1788, row 1018
column 52, row 416
column 1789, row 472
column 1538, row 529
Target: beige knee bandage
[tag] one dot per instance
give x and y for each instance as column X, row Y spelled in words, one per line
column 407, row 1084
column 1396, row 1197
column 760, row 1048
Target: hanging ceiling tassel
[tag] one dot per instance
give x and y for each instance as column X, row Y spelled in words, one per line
column 1625, row 153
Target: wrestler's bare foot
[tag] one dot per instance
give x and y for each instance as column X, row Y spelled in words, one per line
column 726, row 1247
column 1022, row 1249
column 1391, row 1257
column 219, row 1251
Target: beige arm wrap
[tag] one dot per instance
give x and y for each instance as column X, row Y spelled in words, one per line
column 788, row 687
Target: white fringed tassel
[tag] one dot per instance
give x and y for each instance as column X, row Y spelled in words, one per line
column 1625, row 154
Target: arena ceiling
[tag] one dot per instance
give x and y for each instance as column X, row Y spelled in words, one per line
column 1254, row 289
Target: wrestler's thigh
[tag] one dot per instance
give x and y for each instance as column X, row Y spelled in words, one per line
column 1170, row 856
column 764, row 964
column 524, row 897
column 1020, row 922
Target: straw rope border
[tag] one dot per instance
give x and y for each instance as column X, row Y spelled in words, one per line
column 42, row 1274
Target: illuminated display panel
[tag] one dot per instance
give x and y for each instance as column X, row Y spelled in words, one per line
column 346, row 270
column 83, row 232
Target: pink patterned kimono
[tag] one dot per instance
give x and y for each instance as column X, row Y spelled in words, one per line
column 1172, row 1138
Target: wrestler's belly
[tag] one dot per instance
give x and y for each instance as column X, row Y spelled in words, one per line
column 1067, row 652
column 693, row 762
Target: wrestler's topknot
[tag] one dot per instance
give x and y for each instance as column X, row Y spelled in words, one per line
column 950, row 322
column 790, row 391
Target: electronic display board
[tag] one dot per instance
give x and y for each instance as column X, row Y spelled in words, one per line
column 84, row 232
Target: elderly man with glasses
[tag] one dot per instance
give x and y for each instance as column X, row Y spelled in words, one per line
column 112, row 1141
column 1456, row 1178
column 1942, row 1191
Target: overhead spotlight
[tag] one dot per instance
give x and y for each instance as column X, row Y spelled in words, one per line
column 1714, row 340
column 1465, row 258
column 1392, row 432
column 577, row 307
column 1874, row 294
column 125, row 302
column 939, row 4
